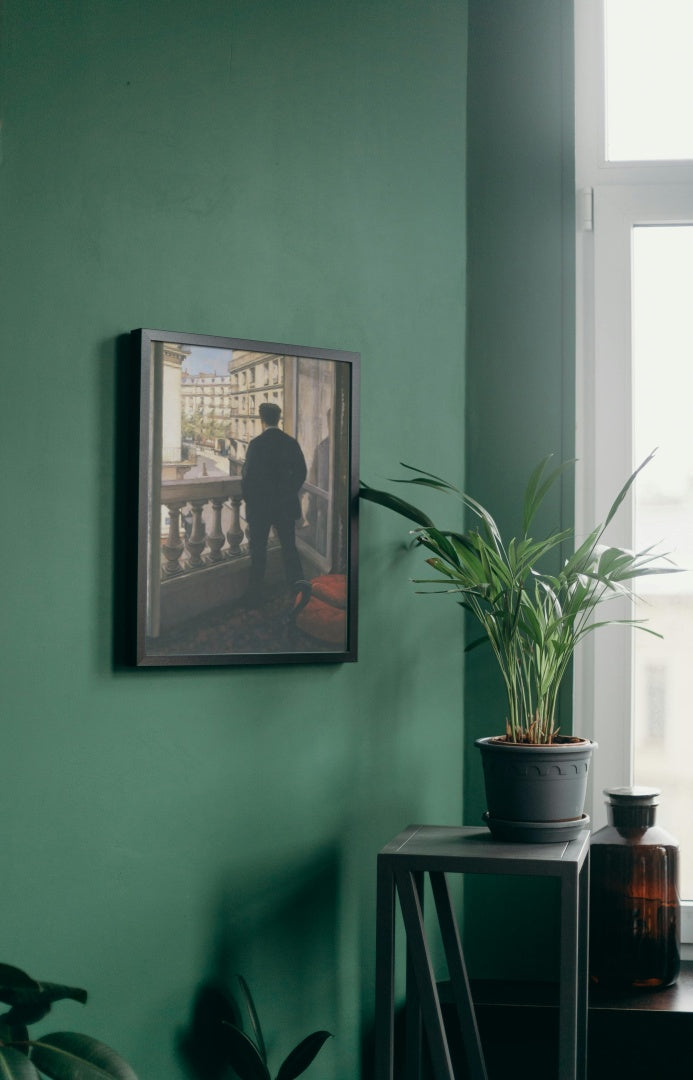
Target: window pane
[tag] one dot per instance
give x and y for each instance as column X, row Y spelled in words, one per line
column 662, row 407
column 649, row 80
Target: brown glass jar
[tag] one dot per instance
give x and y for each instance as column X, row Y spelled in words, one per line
column 635, row 915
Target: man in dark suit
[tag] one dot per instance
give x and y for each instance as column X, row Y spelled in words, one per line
column 273, row 474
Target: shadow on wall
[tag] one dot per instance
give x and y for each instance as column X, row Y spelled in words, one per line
column 280, row 931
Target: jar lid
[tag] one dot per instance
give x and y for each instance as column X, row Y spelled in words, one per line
column 632, row 796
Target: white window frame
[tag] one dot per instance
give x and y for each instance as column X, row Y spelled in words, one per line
column 611, row 198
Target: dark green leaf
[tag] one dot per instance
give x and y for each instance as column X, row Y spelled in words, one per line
column 477, row 641
column 423, row 481
column 445, row 546
column 440, row 566
column 531, row 625
column 31, row 1000
column 16, row 1066
column 431, row 476
column 301, row 1056
column 404, row 509
column 201, row 1043
column 66, row 1055
column 14, row 1033
column 12, row 978
column 253, row 1017
column 243, row 1055
column 431, row 540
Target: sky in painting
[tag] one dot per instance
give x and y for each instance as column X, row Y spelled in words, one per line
column 208, row 360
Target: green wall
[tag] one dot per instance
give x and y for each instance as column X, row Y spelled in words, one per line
column 520, row 364
column 279, row 171
column 276, row 171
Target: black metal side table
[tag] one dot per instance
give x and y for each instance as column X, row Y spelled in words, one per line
column 437, row 851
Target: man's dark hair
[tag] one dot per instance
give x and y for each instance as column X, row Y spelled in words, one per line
column 270, row 413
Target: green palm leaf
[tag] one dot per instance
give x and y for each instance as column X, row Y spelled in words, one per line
column 431, row 476
column 537, row 490
column 625, row 489
column 399, row 506
column 531, row 617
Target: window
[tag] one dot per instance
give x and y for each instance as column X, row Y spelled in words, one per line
column 648, row 80
column 634, row 166
column 651, row 707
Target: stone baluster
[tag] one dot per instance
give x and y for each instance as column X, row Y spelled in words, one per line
column 173, row 548
column 197, row 539
column 215, row 537
column 235, row 534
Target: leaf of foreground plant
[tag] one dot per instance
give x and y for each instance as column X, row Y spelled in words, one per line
column 30, row 999
column 66, row 1055
column 253, row 1016
column 13, row 977
column 17, row 987
column 14, row 1065
column 14, row 1035
column 243, row 1055
column 301, row 1056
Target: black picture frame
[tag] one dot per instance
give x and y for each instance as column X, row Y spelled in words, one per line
column 197, row 601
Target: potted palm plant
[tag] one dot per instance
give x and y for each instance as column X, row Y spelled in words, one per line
column 533, row 618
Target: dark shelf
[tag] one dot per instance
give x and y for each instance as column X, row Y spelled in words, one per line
column 630, row 1034
column 542, row 995
column 673, row 999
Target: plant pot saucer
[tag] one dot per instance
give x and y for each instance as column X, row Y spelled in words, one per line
column 535, row 832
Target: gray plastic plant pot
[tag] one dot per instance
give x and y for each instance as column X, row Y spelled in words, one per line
column 536, row 787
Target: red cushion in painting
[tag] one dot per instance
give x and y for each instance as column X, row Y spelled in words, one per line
column 323, row 621
column 331, row 588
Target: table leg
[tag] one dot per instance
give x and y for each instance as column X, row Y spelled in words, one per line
column 385, row 972
column 583, row 968
column 425, row 978
column 568, row 984
column 458, row 977
column 412, row 1067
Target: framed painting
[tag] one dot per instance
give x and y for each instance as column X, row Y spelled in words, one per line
column 248, row 501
